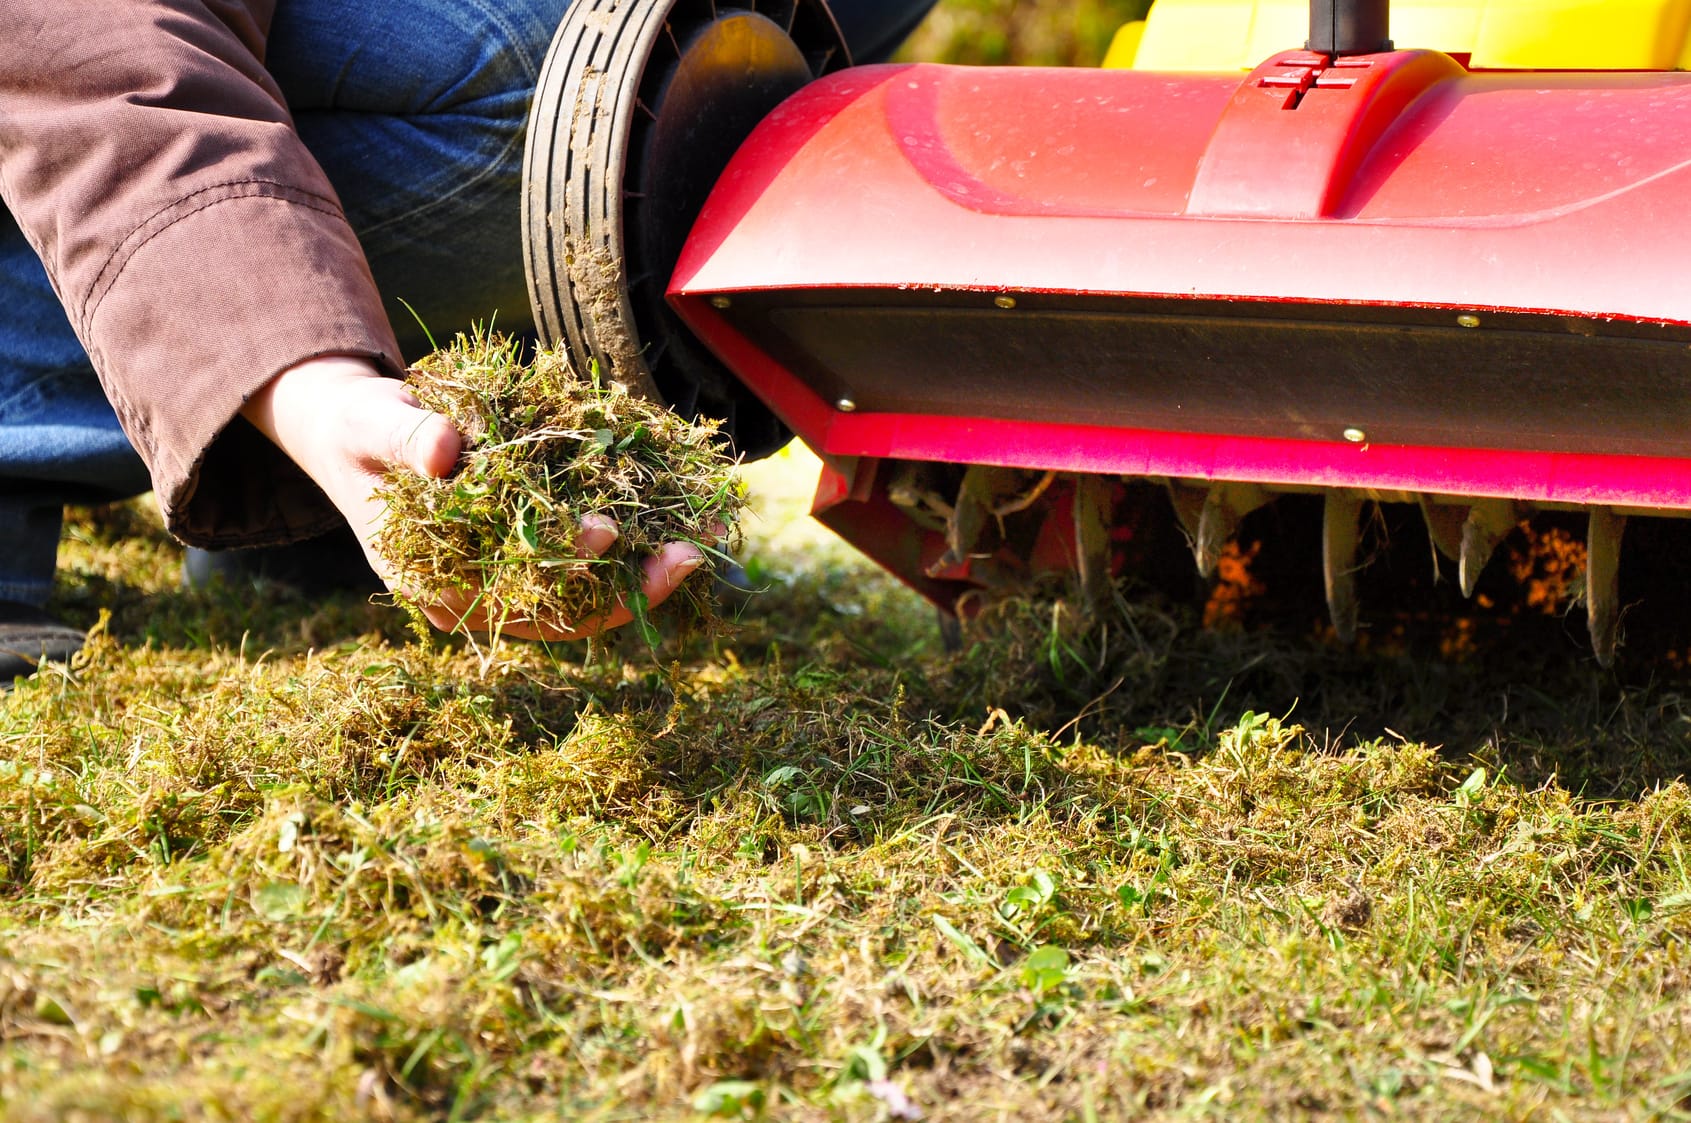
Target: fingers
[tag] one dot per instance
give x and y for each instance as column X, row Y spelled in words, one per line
column 432, row 446
column 418, row 438
column 598, row 534
column 666, row 569
column 663, row 574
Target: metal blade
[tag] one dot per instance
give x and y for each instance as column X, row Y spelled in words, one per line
column 1188, row 504
column 985, row 495
column 1487, row 522
column 1602, row 581
column 1211, row 517
column 1444, row 530
column 969, row 513
column 1224, row 509
column 1341, row 532
column 916, row 487
column 1093, row 500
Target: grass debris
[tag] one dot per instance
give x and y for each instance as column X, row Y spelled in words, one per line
column 262, row 859
column 546, row 448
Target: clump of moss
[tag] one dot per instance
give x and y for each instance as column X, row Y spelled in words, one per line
column 544, row 448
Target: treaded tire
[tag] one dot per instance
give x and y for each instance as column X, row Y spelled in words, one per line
column 607, row 202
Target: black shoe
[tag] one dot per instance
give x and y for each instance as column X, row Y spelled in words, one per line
column 334, row 563
column 28, row 637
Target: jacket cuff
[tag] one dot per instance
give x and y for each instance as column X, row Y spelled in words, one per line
column 211, row 299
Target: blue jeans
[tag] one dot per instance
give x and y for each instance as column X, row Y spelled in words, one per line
column 416, row 110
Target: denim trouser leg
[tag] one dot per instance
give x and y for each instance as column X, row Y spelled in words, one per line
column 59, row 440
column 415, row 109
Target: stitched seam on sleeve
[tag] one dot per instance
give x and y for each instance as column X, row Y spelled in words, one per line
column 164, row 218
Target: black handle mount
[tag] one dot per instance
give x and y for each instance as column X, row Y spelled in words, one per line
column 1348, row 27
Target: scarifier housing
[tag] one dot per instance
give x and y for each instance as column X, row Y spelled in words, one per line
column 1414, row 274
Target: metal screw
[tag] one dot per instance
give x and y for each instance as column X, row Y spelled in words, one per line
column 845, row 405
column 1468, row 320
column 1004, row 301
column 720, row 302
column 1355, row 436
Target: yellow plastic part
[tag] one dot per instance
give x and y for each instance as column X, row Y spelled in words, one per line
column 1495, row 34
column 1124, row 45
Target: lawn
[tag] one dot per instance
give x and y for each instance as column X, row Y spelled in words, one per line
column 271, row 859
column 265, row 858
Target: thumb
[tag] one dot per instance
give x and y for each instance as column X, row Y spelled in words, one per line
column 426, row 442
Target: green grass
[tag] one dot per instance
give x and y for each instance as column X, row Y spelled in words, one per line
column 269, row 859
column 272, row 860
column 1023, row 32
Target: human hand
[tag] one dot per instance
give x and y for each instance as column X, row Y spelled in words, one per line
column 344, row 424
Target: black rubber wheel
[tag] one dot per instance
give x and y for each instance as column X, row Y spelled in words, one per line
column 639, row 107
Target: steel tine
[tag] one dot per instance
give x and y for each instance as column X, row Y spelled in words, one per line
column 1602, row 581
column 1342, row 531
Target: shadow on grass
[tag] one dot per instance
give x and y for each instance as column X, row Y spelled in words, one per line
column 1516, row 692
column 117, row 558
column 224, row 616
column 841, row 674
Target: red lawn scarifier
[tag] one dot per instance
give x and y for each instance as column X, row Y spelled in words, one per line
column 995, row 299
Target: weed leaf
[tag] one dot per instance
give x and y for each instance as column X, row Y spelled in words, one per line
column 964, row 944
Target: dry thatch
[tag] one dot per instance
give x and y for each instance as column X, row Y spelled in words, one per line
column 544, row 449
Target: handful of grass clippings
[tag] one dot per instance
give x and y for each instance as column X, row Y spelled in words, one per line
column 545, row 447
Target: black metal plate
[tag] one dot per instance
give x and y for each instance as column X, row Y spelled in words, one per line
column 1401, row 376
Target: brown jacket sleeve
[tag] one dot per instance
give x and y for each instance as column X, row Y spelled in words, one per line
column 195, row 243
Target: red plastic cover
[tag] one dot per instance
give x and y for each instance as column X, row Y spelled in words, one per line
column 1397, row 192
